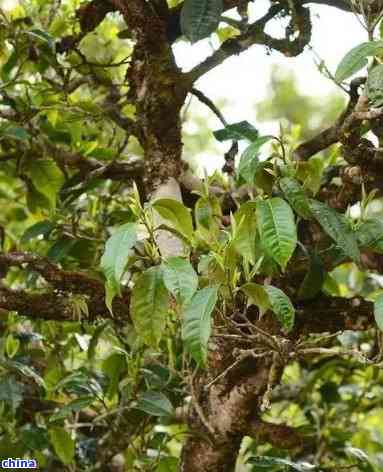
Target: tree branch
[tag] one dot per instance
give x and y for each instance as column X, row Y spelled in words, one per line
column 331, row 135
column 91, row 168
column 278, row 435
column 256, row 35
column 69, row 282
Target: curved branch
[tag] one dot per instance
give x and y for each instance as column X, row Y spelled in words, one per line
column 257, row 35
column 331, row 135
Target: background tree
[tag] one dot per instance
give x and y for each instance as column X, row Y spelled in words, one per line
column 150, row 319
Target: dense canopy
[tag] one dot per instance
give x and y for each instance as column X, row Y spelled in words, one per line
column 154, row 320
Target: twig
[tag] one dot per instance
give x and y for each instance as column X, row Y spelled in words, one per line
column 197, row 406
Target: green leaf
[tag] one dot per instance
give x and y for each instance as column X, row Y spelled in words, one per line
column 374, row 86
column 249, row 162
column 257, row 296
column 113, row 366
column 200, row 18
column 378, row 311
column 44, row 37
column 277, row 229
column 268, row 461
column 335, row 225
column 295, row 195
column 95, row 339
column 237, row 132
column 11, row 391
column 155, row 404
column 177, row 214
column 314, row 279
column 42, row 228
column 15, row 132
column 117, row 251
column 196, row 325
column 47, row 178
column 245, row 233
column 281, row 306
column 24, row 370
column 206, row 212
column 149, row 306
column 12, row 345
column 75, row 405
column 370, row 235
column 168, row 464
column 63, row 444
column 36, row 201
column 356, row 59
column 9, row 65
column 180, row 278
column 60, row 249
column 111, row 290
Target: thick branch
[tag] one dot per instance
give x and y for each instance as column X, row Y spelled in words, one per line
column 279, row 435
column 256, row 35
column 75, row 282
column 333, row 134
column 45, row 306
column 91, row 168
column 63, row 281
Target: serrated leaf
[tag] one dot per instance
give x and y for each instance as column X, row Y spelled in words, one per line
column 180, row 278
column 237, row 132
column 63, row 444
column 356, row 59
column 295, row 195
column 378, row 311
column 281, row 306
column 75, row 405
column 370, row 235
column 268, row 461
column 249, row 162
column 257, row 296
column 177, row 214
column 277, row 229
column 117, row 251
column 42, row 228
column 25, row 370
column 200, row 18
column 206, row 212
column 314, row 279
column 149, row 306
column 374, row 86
column 47, row 178
column 196, row 323
column 335, row 225
column 155, row 404
column 245, row 233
